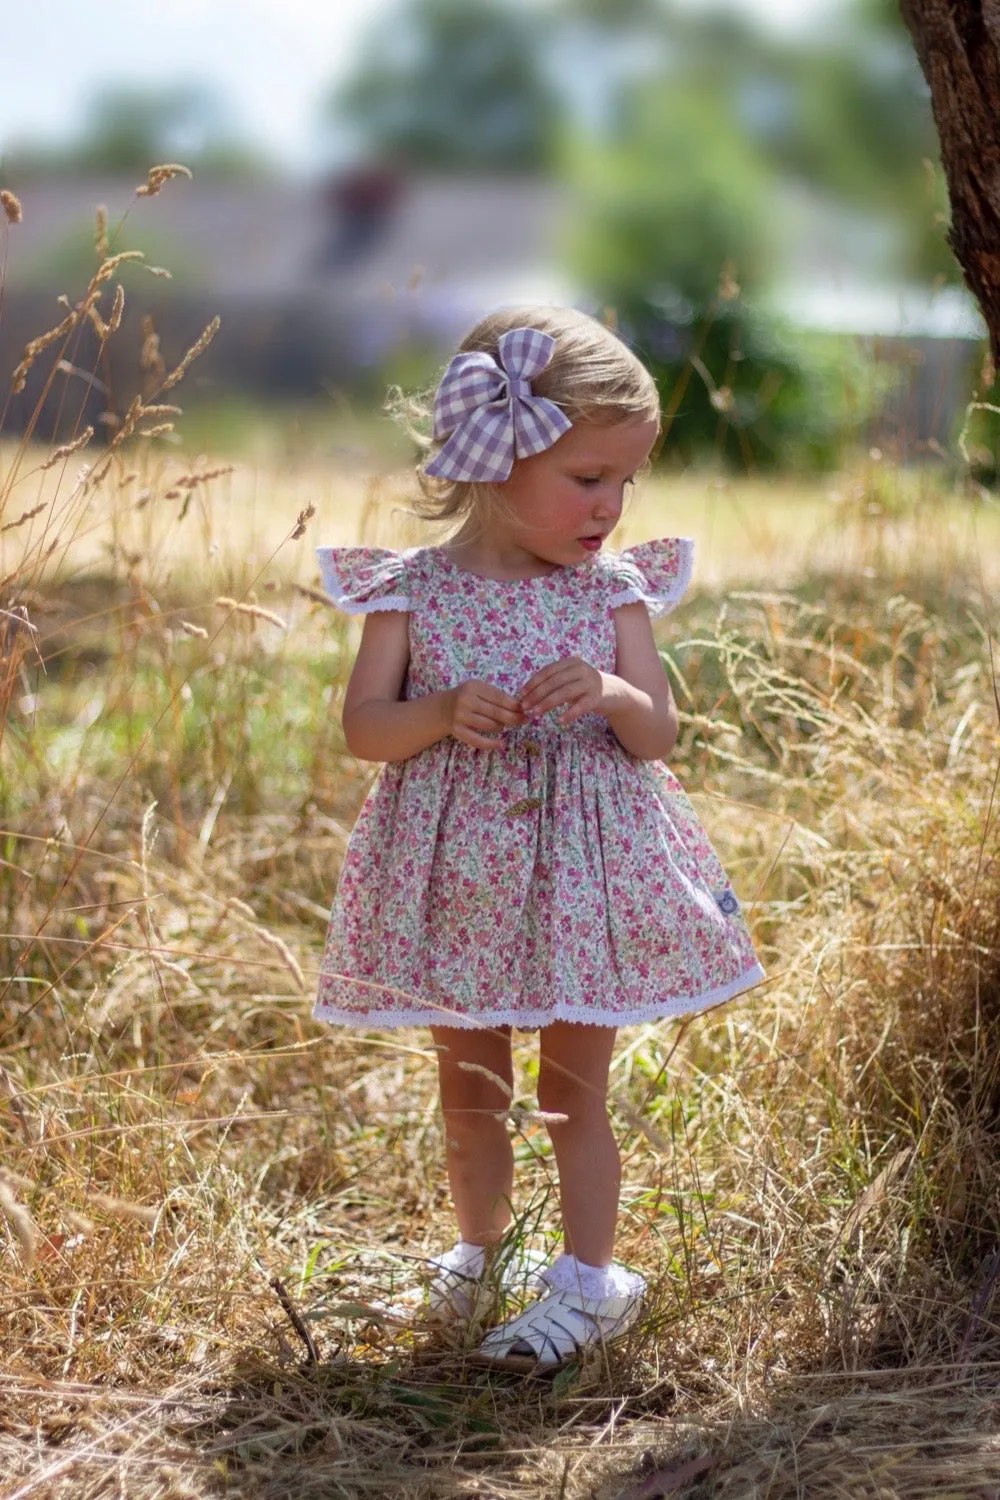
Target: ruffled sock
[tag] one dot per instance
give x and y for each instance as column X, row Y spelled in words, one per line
column 566, row 1274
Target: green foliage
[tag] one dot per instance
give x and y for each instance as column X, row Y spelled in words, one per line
column 453, row 84
column 980, row 437
column 844, row 111
column 70, row 261
column 746, row 389
column 250, row 720
column 129, row 129
column 675, row 196
column 863, row 131
column 677, row 207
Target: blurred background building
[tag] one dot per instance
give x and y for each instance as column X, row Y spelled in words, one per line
column 757, row 206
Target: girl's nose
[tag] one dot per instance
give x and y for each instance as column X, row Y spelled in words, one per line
column 608, row 503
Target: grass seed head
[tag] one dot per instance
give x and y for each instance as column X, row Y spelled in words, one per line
column 150, row 357
column 302, row 521
column 58, row 454
column 157, row 176
column 117, row 309
column 37, row 346
column 101, row 231
column 192, row 354
column 11, row 206
column 255, row 611
column 28, row 515
column 280, row 947
column 123, row 1208
column 23, row 1226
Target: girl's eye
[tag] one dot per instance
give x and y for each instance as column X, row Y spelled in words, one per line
column 588, row 480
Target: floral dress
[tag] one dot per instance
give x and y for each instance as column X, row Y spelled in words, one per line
column 556, row 879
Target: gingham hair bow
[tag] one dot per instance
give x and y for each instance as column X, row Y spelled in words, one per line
column 488, row 412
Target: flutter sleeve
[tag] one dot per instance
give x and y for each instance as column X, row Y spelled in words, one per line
column 653, row 573
column 363, row 580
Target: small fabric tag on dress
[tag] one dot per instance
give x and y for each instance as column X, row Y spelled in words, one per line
column 727, row 903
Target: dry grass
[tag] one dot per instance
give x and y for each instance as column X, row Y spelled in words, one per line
column 811, row 1171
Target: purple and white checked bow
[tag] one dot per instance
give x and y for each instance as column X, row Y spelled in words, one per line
column 489, row 413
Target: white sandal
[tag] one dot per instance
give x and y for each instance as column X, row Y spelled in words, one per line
column 465, row 1288
column 585, row 1308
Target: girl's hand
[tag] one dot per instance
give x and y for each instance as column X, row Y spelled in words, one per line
column 476, row 710
column 572, row 684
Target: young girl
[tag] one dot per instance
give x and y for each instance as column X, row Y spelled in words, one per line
column 525, row 859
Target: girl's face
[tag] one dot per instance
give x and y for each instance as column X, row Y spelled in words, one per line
column 560, row 505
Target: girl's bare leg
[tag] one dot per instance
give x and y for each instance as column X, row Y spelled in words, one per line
column 573, row 1081
column 478, row 1151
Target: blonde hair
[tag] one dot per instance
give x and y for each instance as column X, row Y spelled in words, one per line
column 593, row 377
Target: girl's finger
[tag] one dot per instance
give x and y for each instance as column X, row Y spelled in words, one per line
column 576, row 711
column 536, row 680
column 498, row 699
column 558, row 698
column 543, row 678
column 480, row 722
column 506, row 715
column 561, row 682
column 478, row 741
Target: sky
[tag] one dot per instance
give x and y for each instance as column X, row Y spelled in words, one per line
column 272, row 61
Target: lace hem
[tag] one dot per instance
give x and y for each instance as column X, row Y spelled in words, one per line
column 528, row 1020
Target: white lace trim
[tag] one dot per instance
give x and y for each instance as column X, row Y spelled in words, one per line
column 681, row 1005
column 660, row 603
column 372, row 606
column 333, row 586
column 567, row 1274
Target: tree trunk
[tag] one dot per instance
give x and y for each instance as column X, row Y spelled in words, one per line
column 958, row 44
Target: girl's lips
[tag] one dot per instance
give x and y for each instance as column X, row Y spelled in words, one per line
column 592, row 543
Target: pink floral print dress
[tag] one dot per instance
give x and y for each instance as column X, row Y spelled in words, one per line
column 556, row 879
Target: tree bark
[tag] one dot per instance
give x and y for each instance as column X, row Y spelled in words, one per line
column 958, row 44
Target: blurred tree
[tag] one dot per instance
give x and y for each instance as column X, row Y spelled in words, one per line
column 127, row 128
column 676, row 230
column 675, row 194
column 843, row 113
column 865, row 131
column 454, row 84
column 685, row 135
column 958, row 45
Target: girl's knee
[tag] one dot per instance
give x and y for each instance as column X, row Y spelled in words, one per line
column 470, row 1131
column 574, row 1098
column 471, row 1095
column 474, row 1075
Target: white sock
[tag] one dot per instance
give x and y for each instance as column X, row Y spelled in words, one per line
column 567, row 1274
column 465, row 1258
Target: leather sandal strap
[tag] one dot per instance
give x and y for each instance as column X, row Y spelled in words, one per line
column 560, row 1326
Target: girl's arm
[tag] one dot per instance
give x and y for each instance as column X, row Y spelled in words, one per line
column 635, row 699
column 380, row 725
column 638, row 703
